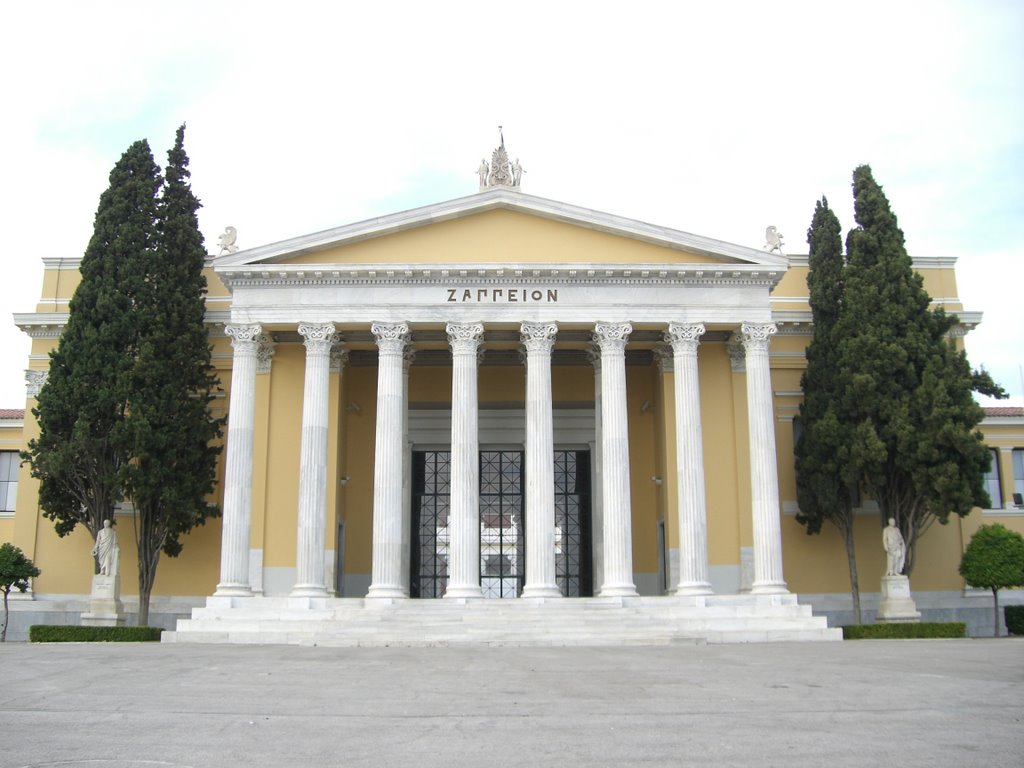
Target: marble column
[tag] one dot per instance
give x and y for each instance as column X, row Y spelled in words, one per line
column 407, row 359
column 464, row 508
column 764, row 479
column 693, row 524
column 234, row 541
column 539, row 339
column 387, row 466
column 597, row 477
column 310, row 575
column 618, row 518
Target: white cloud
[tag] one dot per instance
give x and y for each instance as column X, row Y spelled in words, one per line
column 717, row 119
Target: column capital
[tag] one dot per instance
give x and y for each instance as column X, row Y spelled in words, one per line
column 538, row 337
column 264, row 353
column 594, row 356
column 34, row 381
column 391, row 337
column 664, row 357
column 611, row 337
column 684, row 337
column 465, row 337
column 408, row 356
column 756, row 335
column 244, row 337
column 338, row 358
column 318, row 337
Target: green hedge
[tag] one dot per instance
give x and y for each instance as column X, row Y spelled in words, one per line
column 909, row 631
column 55, row 633
column 1014, row 615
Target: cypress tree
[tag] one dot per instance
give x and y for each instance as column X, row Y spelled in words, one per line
column 169, row 425
column 81, row 449
column 903, row 390
column 824, row 484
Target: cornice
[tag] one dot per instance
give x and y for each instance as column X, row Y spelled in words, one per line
column 502, row 198
column 50, row 325
column 919, row 262
column 264, row 275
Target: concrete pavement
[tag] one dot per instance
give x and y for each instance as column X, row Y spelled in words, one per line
column 912, row 703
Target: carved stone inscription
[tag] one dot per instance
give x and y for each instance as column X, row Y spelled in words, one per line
column 502, row 295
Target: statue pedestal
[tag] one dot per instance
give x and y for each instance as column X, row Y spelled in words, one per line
column 105, row 608
column 896, row 605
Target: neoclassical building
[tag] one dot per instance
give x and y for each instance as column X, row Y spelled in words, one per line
column 502, row 415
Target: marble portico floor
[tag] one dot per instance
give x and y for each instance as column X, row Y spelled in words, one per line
column 526, row 622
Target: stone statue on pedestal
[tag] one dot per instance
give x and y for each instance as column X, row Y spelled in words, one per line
column 895, row 549
column 896, row 604
column 106, row 551
column 105, row 608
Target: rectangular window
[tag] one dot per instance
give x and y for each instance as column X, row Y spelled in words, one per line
column 8, row 480
column 993, row 482
column 1018, row 476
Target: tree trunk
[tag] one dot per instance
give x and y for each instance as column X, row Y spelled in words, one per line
column 3, row 632
column 147, row 575
column 995, row 600
column 851, row 560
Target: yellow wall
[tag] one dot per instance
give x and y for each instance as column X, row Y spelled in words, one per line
column 499, row 237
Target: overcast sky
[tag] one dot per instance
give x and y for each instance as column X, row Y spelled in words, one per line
column 713, row 118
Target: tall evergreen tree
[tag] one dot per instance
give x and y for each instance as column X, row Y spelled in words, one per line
column 903, row 390
column 169, row 425
column 824, row 483
column 80, row 410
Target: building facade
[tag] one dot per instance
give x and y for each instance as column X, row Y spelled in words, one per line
column 503, row 397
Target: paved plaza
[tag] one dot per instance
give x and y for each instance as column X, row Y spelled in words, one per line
column 868, row 703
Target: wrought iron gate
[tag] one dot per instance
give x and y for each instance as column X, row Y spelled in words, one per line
column 502, row 520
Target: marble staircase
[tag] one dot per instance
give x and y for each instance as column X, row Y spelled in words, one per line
column 534, row 622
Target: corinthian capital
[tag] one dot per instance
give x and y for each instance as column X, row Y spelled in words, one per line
column 465, row 337
column 34, row 381
column 611, row 337
column 756, row 336
column 684, row 338
column 244, row 337
column 391, row 337
column 318, row 337
column 538, row 337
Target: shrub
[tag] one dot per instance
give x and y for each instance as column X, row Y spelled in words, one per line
column 1014, row 615
column 924, row 629
column 55, row 633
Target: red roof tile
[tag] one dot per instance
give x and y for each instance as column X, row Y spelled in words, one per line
column 12, row 413
column 1006, row 410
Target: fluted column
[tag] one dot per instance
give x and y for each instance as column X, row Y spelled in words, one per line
column 597, row 477
column 309, row 555
column 693, row 524
column 387, row 465
column 538, row 339
column 234, row 539
column 407, row 358
column 618, row 518
column 764, row 479
column 464, row 508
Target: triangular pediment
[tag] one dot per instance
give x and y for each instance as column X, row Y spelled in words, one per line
column 501, row 226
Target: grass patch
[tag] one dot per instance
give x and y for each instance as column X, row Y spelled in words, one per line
column 56, row 633
column 909, row 631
